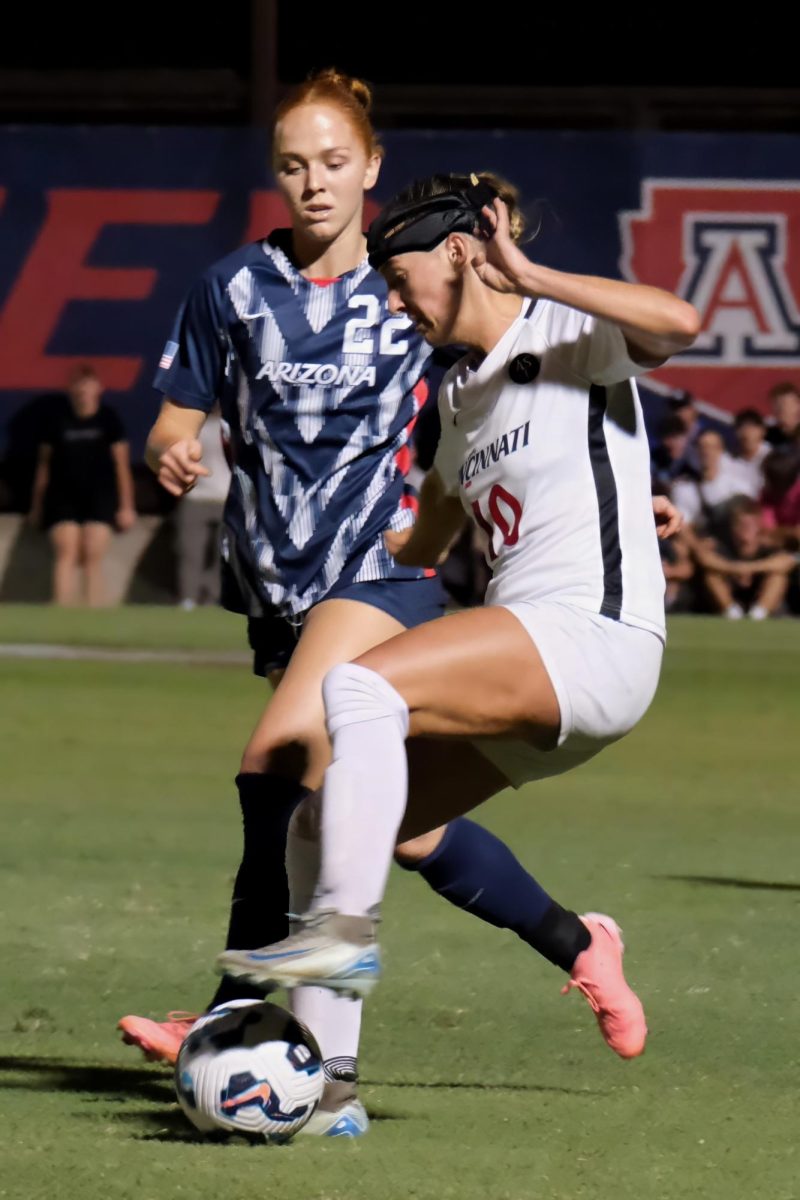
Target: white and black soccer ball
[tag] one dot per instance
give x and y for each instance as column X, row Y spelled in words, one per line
column 249, row 1067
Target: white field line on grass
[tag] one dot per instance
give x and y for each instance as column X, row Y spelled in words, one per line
column 50, row 653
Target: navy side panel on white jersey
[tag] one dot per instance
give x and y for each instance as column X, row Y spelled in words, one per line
column 320, row 386
column 544, row 442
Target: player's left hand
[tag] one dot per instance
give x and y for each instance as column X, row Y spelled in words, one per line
column 668, row 519
column 125, row 519
column 500, row 263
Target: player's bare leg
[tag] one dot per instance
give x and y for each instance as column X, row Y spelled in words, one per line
column 421, row 682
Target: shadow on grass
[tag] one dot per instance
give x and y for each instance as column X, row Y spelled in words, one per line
column 725, row 881
column 448, row 1085
column 65, row 1075
column 115, row 1085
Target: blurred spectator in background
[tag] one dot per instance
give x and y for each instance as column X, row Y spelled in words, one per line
column 742, row 571
column 703, row 502
column 752, row 447
column 83, row 486
column 785, row 401
column 670, row 459
column 23, row 439
column 198, row 518
column 684, row 406
column 678, row 566
column 780, row 500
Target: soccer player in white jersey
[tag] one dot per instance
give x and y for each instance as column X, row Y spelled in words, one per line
column 319, row 383
column 543, row 443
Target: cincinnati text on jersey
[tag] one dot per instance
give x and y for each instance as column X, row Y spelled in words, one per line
column 507, row 443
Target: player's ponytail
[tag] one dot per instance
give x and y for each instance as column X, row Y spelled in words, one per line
column 353, row 96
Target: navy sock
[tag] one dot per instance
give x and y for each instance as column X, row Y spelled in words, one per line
column 475, row 871
column 260, row 901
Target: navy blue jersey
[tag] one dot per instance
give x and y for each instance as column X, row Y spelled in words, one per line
column 320, row 386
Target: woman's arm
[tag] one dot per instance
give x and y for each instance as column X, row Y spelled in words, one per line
column 709, row 559
column 682, row 569
column 441, row 518
column 439, row 521
column 126, row 513
column 654, row 322
column 780, row 563
column 41, row 482
column 173, row 450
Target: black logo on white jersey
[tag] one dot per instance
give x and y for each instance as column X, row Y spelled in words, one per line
column 524, row 368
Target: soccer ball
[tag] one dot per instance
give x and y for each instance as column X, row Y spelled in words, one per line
column 249, row 1067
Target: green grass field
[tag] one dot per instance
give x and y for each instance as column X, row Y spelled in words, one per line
column 119, row 841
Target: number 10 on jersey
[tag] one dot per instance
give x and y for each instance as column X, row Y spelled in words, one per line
column 505, row 514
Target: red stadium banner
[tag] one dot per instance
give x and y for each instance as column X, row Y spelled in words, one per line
column 103, row 230
column 732, row 249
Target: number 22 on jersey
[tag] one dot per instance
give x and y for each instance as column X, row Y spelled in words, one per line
column 358, row 341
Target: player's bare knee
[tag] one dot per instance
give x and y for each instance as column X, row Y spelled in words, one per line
column 410, row 853
column 353, row 693
column 288, row 756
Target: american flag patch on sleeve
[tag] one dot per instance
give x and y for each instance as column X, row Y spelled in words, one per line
column 170, row 350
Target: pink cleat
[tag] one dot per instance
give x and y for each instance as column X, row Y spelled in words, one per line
column 597, row 972
column 159, row 1041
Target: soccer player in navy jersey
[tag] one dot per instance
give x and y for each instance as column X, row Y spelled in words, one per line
column 320, row 385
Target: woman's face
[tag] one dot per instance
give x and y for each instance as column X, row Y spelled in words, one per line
column 746, row 529
column 750, row 438
column 425, row 286
column 710, row 448
column 84, row 393
column 322, row 170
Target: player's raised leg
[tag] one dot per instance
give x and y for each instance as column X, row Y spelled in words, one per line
column 424, row 679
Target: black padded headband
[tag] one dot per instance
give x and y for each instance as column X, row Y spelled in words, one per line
column 423, row 224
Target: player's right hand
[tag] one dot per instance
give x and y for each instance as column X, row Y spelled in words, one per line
column 499, row 263
column 179, row 467
column 668, row 518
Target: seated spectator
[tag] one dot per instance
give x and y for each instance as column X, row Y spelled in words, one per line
column 742, row 572
column 785, row 401
column 678, row 570
column 703, row 502
column 670, row 459
column 752, row 447
column 684, row 407
column 83, row 486
column 780, row 500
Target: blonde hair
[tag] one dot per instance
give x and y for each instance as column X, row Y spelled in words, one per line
column 351, row 96
column 441, row 185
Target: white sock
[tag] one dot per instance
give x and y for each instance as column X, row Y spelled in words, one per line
column 365, row 789
column 734, row 612
column 758, row 613
column 334, row 1020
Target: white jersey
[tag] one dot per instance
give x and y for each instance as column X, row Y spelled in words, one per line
column 545, row 444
